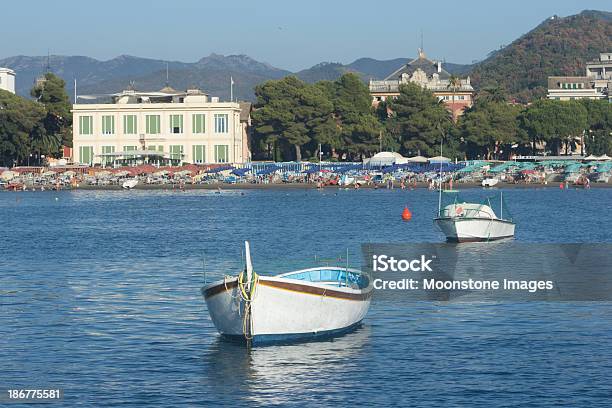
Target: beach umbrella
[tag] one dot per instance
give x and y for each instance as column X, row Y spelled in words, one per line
column 8, row 175
column 146, row 169
column 241, row 172
column 439, row 159
column 417, row 159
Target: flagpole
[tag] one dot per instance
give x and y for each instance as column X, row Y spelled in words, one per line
column 231, row 89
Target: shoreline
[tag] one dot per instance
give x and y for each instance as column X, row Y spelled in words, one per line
column 303, row 186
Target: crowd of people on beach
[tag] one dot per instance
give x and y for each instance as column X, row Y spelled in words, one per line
column 351, row 175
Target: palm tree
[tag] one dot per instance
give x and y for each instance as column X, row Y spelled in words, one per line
column 496, row 94
column 453, row 83
column 45, row 143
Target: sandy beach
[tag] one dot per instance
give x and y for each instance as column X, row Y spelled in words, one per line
column 292, row 186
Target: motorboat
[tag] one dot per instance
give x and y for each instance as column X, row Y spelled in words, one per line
column 463, row 221
column 130, row 183
column 301, row 305
column 490, row 182
column 471, row 222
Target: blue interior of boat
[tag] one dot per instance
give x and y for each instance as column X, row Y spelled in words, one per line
column 337, row 277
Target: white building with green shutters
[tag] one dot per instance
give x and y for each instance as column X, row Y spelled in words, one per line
column 164, row 127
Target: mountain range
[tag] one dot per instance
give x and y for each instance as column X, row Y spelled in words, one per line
column 557, row 46
column 211, row 73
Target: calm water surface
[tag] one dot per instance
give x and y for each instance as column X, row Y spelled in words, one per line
column 99, row 295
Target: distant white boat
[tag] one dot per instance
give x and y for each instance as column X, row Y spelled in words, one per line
column 130, row 183
column 470, row 222
column 490, row 182
column 295, row 306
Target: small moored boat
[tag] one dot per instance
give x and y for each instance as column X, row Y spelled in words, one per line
column 490, row 182
column 295, row 306
column 130, row 183
column 471, row 222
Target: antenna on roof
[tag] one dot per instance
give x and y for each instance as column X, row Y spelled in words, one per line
column 422, row 40
column 48, row 68
column 167, row 82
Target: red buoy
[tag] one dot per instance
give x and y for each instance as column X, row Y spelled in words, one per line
column 406, row 214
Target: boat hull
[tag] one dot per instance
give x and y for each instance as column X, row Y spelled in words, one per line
column 459, row 229
column 288, row 338
column 286, row 310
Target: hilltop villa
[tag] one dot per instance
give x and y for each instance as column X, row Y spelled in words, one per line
column 163, row 127
column 596, row 84
column 7, row 79
column 428, row 74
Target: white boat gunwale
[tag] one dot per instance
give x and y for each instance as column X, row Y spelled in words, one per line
column 507, row 221
column 321, row 288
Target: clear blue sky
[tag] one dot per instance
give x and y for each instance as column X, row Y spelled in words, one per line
column 287, row 34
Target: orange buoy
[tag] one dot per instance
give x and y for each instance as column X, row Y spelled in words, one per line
column 406, row 214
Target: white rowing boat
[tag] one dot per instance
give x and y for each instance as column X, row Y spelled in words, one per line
column 295, row 306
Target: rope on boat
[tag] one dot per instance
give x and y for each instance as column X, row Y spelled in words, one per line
column 248, row 295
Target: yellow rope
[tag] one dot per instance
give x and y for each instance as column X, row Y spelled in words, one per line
column 248, row 297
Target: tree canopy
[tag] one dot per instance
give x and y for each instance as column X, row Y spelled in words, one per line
column 21, row 123
column 417, row 120
column 554, row 122
column 489, row 129
column 338, row 114
column 51, row 92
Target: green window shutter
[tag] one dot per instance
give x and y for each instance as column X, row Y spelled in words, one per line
column 86, row 154
column 199, row 124
column 108, row 125
column 176, row 152
column 152, row 124
column 199, row 155
column 108, row 159
column 221, row 153
column 130, row 125
column 85, row 125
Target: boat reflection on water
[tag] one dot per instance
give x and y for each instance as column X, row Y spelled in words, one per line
column 277, row 374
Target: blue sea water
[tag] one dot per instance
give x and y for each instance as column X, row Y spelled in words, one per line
column 100, row 296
